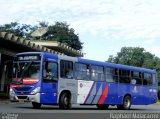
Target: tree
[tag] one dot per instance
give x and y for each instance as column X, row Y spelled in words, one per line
column 21, row 30
column 136, row 56
column 111, row 59
column 129, row 56
column 43, row 24
column 62, row 33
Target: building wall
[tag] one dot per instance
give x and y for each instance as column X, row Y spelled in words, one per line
column 5, row 74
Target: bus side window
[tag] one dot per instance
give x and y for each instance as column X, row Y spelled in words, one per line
column 87, row 73
column 97, row 73
column 66, row 69
column 109, row 74
column 100, row 73
column 153, row 79
column 94, row 72
column 124, row 76
column 115, row 75
column 50, row 71
column 137, row 76
column 147, row 79
column 150, row 79
column 80, row 70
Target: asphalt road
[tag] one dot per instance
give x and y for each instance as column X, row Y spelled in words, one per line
column 26, row 110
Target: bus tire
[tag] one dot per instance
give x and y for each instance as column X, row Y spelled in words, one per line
column 102, row 106
column 36, row 105
column 65, row 101
column 126, row 103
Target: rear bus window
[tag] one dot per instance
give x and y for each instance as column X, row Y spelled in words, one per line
column 147, row 79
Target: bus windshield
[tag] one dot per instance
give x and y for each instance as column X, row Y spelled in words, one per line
column 26, row 71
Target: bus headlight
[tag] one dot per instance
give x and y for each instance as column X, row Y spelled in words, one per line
column 36, row 90
column 11, row 91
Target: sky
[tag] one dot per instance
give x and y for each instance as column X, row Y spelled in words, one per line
column 104, row 26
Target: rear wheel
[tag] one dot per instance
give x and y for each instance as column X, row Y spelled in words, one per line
column 36, row 105
column 126, row 103
column 102, row 106
column 65, row 101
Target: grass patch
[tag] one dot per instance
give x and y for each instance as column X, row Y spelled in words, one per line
column 158, row 102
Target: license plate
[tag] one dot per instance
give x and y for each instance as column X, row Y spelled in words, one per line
column 21, row 101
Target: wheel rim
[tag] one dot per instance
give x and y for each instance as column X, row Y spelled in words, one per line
column 66, row 101
column 127, row 103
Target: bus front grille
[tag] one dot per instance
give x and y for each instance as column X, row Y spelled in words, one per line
column 22, row 97
column 22, row 93
column 23, row 88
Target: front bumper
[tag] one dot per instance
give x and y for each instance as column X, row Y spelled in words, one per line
column 25, row 98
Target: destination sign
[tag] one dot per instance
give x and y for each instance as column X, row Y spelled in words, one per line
column 27, row 57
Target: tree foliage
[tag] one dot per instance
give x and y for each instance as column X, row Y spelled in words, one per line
column 136, row 56
column 21, row 30
column 63, row 34
column 60, row 32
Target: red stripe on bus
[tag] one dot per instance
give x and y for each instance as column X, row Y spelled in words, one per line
column 14, row 86
column 30, row 80
column 104, row 95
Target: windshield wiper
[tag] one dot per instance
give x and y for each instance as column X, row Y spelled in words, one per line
column 26, row 67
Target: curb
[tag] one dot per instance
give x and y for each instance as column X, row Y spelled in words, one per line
column 4, row 101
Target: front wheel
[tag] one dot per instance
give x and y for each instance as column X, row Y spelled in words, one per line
column 65, row 101
column 36, row 105
column 126, row 103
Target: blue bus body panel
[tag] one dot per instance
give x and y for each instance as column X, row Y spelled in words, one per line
column 50, row 56
column 112, row 97
column 49, row 93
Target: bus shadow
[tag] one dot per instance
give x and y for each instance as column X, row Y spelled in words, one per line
column 54, row 107
column 75, row 108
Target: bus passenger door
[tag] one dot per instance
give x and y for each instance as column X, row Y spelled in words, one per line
column 136, row 92
column 49, row 86
column 149, row 88
column 136, row 89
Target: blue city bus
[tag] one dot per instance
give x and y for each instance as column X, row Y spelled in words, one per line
column 50, row 79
